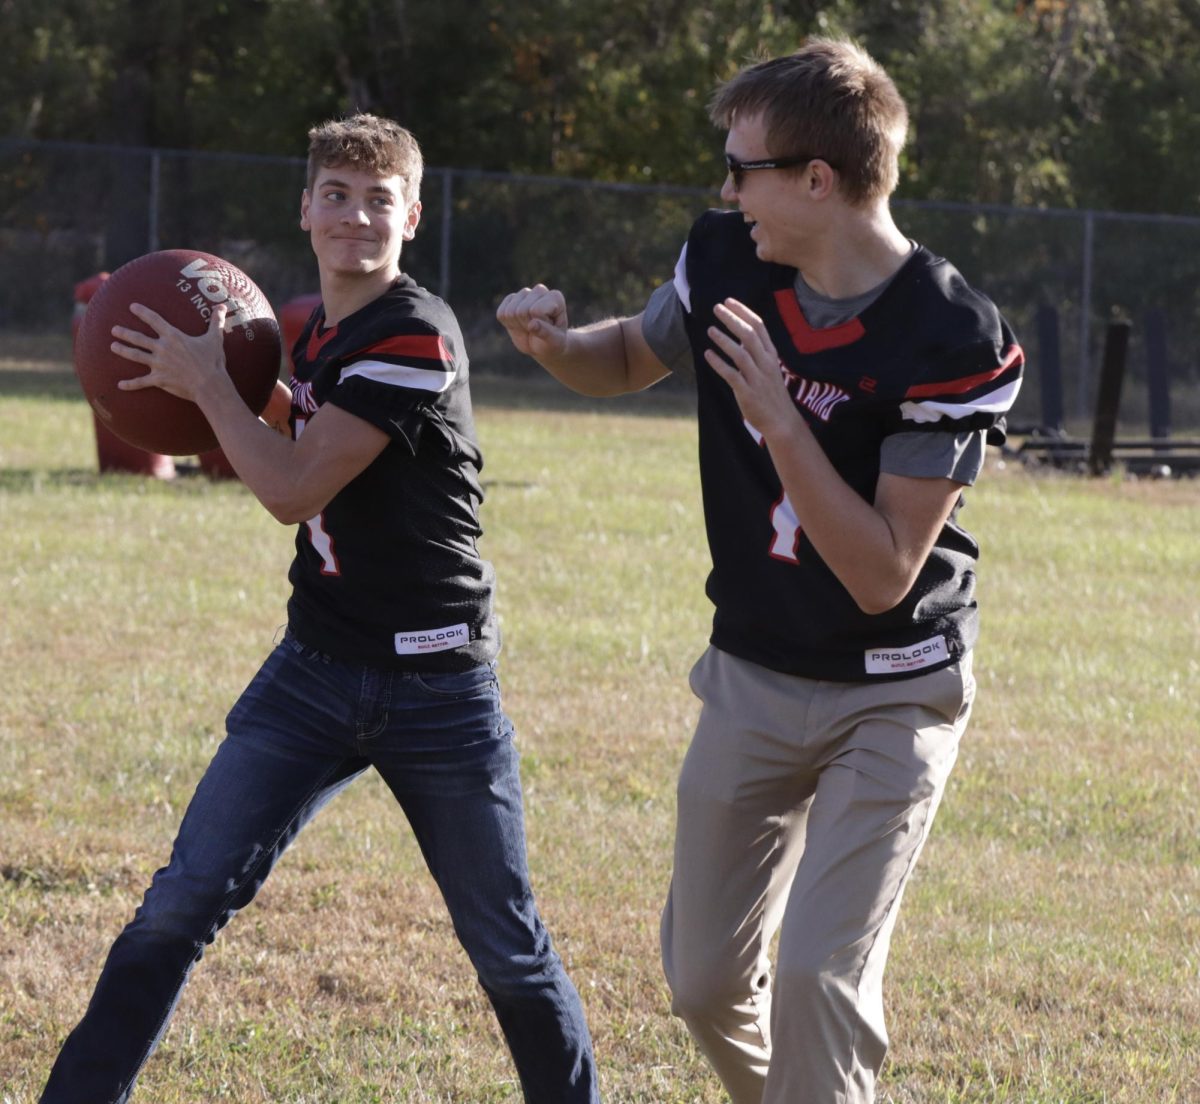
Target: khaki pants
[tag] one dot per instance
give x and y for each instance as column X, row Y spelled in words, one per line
column 803, row 804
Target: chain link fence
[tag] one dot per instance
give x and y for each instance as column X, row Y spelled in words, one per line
column 71, row 210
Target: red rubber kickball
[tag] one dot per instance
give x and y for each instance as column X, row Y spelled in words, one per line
column 182, row 285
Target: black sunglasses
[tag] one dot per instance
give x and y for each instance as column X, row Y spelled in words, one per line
column 737, row 168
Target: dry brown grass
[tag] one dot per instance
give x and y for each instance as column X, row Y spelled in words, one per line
column 1050, row 945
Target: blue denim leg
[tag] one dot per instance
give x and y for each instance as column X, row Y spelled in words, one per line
column 445, row 748
column 303, row 729
column 289, row 749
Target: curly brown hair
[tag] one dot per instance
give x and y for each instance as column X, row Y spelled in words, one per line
column 370, row 143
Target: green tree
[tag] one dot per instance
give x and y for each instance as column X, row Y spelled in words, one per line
column 1065, row 102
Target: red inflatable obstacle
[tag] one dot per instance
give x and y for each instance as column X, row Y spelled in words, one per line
column 113, row 454
column 276, row 414
column 292, row 316
column 215, row 465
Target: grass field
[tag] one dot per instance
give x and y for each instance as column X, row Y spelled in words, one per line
column 1049, row 950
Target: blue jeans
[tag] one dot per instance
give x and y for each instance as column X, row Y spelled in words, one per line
column 304, row 728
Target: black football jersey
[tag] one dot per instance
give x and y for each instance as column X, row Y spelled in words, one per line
column 388, row 574
column 929, row 355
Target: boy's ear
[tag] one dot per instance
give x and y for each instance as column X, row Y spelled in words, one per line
column 304, row 202
column 820, row 179
column 410, row 223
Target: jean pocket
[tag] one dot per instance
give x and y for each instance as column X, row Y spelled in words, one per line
column 473, row 683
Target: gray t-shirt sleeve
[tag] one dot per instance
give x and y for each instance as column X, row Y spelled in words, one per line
column 665, row 331
column 957, row 456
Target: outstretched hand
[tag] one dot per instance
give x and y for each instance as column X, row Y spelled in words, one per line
column 536, row 321
column 180, row 364
column 751, row 367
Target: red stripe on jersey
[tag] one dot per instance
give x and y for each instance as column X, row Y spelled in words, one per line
column 316, row 342
column 422, row 346
column 805, row 337
column 1014, row 357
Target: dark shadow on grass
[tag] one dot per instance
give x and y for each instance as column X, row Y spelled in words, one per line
column 54, row 383
column 34, row 480
column 670, row 398
column 519, row 391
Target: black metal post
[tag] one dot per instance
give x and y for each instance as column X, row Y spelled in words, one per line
column 1108, row 399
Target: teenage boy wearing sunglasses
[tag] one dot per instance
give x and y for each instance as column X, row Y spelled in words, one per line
column 846, row 379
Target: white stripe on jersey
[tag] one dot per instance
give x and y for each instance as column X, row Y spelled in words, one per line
column 401, row 375
column 682, row 288
column 995, row 402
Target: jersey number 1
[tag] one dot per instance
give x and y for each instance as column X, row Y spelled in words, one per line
column 783, row 518
column 322, row 542
column 786, row 541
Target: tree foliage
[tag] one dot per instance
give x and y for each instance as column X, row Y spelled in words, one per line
column 1089, row 103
